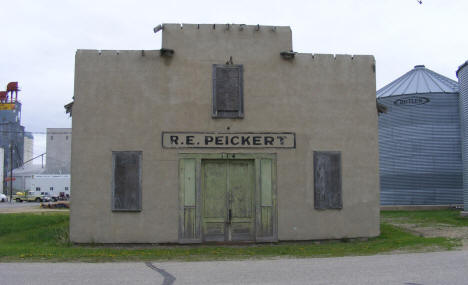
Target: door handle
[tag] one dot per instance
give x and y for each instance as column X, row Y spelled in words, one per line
column 229, row 216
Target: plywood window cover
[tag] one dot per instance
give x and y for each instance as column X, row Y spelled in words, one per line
column 239, row 112
column 139, row 207
column 334, row 192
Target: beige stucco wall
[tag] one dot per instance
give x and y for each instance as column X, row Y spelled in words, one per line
column 125, row 99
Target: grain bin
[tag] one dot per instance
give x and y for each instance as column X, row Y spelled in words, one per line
column 462, row 75
column 419, row 140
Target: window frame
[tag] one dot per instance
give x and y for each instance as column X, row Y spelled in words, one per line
column 140, row 202
column 235, row 115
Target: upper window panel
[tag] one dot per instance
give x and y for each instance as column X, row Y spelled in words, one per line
column 228, row 101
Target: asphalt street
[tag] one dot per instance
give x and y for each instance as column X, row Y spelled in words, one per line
column 14, row 204
column 402, row 269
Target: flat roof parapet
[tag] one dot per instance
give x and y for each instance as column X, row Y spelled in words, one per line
column 220, row 41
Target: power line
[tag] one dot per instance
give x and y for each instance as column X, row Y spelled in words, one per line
column 36, row 133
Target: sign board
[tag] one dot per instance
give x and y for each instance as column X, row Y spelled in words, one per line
column 413, row 100
column 228, row 140
column 7, row 106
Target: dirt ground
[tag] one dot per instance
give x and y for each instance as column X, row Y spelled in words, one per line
column 438, row 230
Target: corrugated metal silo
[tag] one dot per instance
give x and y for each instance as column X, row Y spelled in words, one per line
column 462, row 75
column 419, row 140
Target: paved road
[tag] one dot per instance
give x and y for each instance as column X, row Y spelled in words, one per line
column 14, row 204
column 25, row 207
column 14, row 207
column 402, row 269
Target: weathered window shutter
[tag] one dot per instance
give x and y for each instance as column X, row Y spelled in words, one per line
column 327, row 180
column 228, row 91
column 126, row 182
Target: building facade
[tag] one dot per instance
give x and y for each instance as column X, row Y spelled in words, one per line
column 58, row 149
column 28, row 149
column 226, row 135
column 419, row 140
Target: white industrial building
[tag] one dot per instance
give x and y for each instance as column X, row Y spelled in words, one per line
column 53, row 177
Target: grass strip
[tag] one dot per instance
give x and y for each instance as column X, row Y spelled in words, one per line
column 44, row 237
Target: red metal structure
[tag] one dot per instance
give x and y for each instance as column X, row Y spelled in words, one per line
column 3, row 96
column 13, row 87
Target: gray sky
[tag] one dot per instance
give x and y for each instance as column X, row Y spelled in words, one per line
column 39, row 38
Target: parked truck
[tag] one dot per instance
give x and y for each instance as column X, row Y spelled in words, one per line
column 32, row 196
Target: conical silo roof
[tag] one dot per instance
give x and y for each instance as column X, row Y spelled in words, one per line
column 419, row 80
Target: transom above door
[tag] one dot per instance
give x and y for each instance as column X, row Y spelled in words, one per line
column 227, row 198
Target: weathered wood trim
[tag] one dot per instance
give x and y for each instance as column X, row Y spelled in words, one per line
column 181, row 199
column 182, row 207
column 274, row 212
column 198, row 199
column 257, row 157
column 228, row 155
column 274, row 196
column 258, row 213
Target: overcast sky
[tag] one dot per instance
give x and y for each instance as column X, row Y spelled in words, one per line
column 39, row 38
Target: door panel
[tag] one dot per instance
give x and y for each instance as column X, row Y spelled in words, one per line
column 241, row 184
column 214, row 209
column 228, row 188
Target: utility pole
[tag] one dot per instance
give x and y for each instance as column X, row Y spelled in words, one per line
column 11, row 171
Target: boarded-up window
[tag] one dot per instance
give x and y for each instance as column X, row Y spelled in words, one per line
column 228, row 91
column 126, row 182
column 327, row 180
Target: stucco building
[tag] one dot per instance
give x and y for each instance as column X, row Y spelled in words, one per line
column 224, row 134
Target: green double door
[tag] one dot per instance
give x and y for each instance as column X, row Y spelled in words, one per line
column 228, row 200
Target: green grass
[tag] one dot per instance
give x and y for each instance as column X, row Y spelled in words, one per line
column 426, row 218
column 37, row 237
